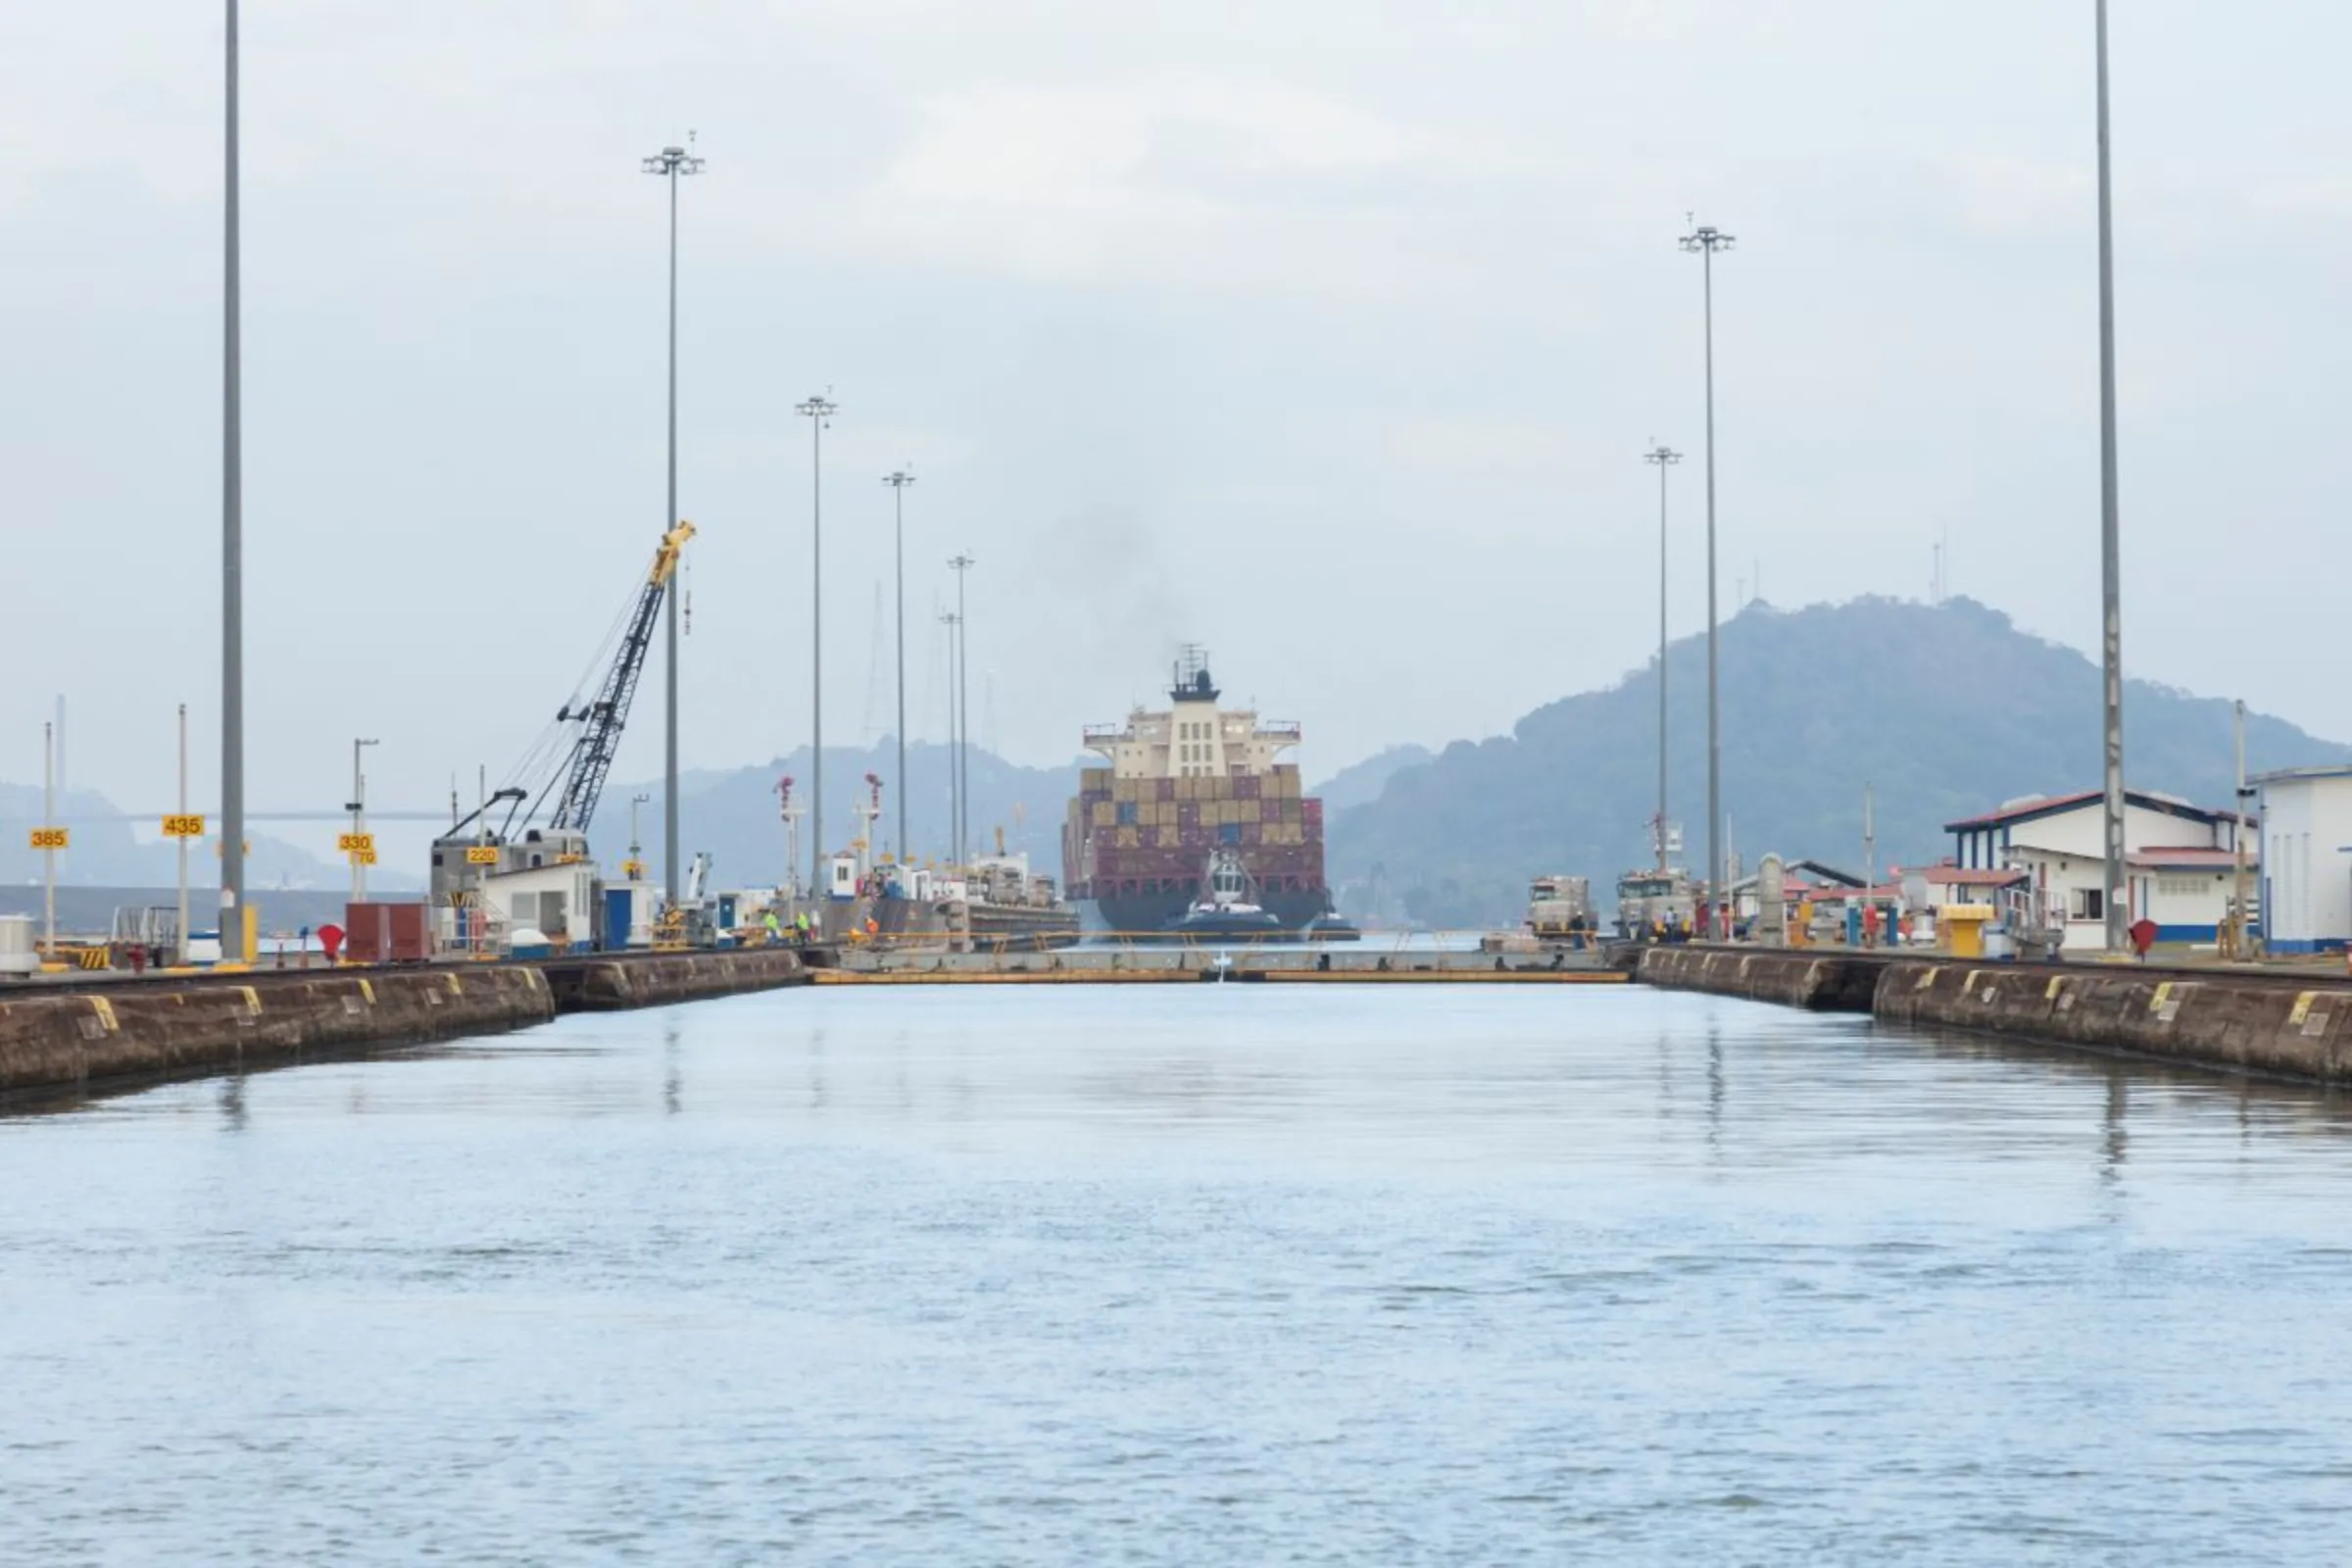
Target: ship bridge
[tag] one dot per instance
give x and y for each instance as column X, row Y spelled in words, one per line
column 1194, row 737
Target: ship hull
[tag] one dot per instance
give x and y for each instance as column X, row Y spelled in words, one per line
column 1023, row 929
column 1144, row 916
column 1001, row 927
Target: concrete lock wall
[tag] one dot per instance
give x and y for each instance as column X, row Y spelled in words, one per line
column 125, row 1034
column 2244, row 1024
column 161, row 1030
column 1815, row 982
column 609, row 984
column 2236, row 1022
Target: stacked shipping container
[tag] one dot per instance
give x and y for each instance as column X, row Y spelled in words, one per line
column 1131, row 837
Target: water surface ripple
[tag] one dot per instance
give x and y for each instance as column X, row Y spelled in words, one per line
column 1214, row 1274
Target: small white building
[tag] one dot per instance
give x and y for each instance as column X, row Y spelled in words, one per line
column 552, row 900
column 2306, row 858
column 2179, row 862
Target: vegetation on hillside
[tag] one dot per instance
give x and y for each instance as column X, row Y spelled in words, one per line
column 1946, row 710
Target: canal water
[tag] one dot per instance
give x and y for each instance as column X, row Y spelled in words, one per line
column 1232, row 1274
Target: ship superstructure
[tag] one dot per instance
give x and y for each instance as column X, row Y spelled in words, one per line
column 1181, row 784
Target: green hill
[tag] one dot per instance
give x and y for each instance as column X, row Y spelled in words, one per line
column 1946, row 710
column 1361, row 783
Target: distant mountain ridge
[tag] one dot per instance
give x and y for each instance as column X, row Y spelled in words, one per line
column 1944, row 710
column 1361, row 783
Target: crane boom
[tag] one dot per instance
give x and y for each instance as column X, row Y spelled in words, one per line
column 607, row 713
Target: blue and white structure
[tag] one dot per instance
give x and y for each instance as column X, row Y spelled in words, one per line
column 2306, row 857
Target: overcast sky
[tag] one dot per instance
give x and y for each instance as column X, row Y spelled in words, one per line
column 1327, row 334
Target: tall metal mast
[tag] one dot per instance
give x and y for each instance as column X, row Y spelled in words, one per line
column 671, row 162
column 819, row 411
column 952, row 620
column 2110, row 566
column 964, row 562
column 897, row 482
column 1663, row 458
column 233, row 553
column 1706, row 241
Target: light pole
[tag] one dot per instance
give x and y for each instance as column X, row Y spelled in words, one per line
column 2241, row 942
column 898, row 483
column 1870, row 841
column 232, row 550
column 819, row 411
column 951, row 621
column 359, row 823
column 964, row 562
column 49, row 839
column 671, row 162
column 1663, row 458
column 2111, row 560
column 1707, row 241
column 180, row 939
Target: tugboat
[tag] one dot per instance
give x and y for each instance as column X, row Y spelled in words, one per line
column 1224, row 910
column 1332, row 926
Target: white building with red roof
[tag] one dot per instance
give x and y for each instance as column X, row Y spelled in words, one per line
column 2049, row 853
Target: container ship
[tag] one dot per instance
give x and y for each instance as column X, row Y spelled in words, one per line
column 1186, row 787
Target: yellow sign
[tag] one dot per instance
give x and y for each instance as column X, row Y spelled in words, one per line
column 356, row 843
column 183, row 827
column 50, row 838
column 482, row 855
column 363, row 857
column 219, row 854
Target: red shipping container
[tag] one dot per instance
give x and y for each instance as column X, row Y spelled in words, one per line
column 411, row 932
column 366, row 932
column 387, row 933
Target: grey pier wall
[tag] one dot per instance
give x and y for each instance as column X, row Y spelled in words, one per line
column 76, row 1040
column 2277, row 1024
